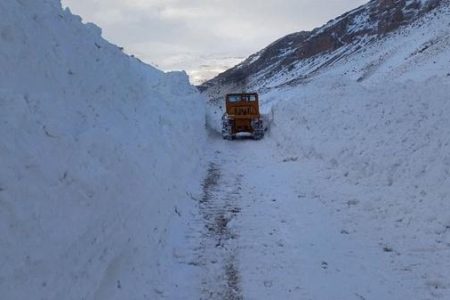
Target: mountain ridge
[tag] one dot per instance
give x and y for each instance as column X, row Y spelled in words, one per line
column 337, row 38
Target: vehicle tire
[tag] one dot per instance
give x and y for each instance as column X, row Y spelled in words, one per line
column 227, row 128
column 258, row 128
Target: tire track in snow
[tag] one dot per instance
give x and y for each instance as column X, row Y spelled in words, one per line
column 218, row 249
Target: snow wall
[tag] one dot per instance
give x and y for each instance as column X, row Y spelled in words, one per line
column 378, row 125
column 97, row 154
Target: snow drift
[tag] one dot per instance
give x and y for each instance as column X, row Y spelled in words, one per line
column 378, row 123
column 97, row 152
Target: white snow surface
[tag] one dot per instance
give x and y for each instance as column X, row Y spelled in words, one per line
column 103, row 192
column 378, row 125
column 97, row 154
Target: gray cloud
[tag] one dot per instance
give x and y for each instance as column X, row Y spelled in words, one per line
column 199, row 36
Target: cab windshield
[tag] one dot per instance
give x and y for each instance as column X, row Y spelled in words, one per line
column 243, row 98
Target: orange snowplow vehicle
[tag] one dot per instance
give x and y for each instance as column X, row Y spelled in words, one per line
column 242, row 116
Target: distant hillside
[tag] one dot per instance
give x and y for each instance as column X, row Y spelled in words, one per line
column 319, row 48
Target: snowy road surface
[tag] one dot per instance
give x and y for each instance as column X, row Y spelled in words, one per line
column 264, row 232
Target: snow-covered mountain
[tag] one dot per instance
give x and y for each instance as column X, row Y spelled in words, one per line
column 315, row 50
column 97, row 152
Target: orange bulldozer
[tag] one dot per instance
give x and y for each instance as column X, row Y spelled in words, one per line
column 242, row 116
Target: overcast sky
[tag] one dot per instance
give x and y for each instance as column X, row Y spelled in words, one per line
column 203, row 37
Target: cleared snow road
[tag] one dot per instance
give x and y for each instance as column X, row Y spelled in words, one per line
column 265, row 233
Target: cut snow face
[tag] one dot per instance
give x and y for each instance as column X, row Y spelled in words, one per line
column 96, row 151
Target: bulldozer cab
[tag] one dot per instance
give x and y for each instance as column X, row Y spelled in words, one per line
column 242, row 116
column 242, row 105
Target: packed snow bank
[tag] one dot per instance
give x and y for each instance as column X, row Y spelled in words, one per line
column 97, row 153
column 385, row 163
column 382, row 112
column 378, row 125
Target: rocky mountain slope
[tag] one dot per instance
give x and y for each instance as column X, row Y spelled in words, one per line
column 318, row 49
